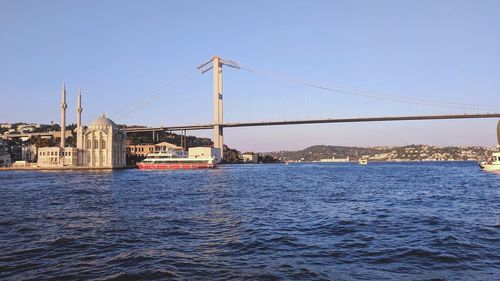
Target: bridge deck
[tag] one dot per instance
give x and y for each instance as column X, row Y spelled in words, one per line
column 316, row 121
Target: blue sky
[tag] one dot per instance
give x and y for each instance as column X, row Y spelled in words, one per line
column 121, row 51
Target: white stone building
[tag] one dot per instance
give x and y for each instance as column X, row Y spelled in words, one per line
column 204, row 152
column 101, row 145
column 104, row 144
column 57, row 156
column 249, row 158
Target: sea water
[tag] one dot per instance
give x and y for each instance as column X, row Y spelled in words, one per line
column 317, row 221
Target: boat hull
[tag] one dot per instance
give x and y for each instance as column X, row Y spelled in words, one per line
column 175, row 166
column 490, row 167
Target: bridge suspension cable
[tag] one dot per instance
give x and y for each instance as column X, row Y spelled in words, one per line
column 419, row 101
column 146, row 99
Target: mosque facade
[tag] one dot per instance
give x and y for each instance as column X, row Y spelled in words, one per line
column 101, row 145
column 104, row 144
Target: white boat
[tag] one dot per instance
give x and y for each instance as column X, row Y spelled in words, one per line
column 493, row 164
column 176, row 160
column 363, row 161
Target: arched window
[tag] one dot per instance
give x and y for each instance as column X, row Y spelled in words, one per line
column 103, row 144
column 89, row 143
column 96, row 144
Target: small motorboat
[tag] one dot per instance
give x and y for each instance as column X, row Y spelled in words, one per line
column 363, row 161
column 493, row 164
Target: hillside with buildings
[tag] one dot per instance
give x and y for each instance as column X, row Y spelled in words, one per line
column 21, row 141
column 386, row 153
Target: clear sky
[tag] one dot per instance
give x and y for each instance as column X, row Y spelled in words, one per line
column 121, row 51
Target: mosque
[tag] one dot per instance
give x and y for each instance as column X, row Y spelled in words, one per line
column 101, row 145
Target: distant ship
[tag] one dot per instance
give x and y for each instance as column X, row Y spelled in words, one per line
column 177, row 160
column 335, row 160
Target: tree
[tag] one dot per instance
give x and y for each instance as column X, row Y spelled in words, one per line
column 43, row 142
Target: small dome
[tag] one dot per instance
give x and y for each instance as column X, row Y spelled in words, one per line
column 103, row 121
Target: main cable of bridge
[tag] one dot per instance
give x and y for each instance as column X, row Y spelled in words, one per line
column 147, row 99
column 418, row 101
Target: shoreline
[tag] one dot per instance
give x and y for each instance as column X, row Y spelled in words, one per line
column 133, row 167
column 61, row 168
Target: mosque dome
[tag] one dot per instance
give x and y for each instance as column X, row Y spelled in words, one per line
column 102, row 121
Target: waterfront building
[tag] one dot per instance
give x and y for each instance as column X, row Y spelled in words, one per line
column 22, row 164
column 104, row 144
column 28, row 152
column 249, row 158
column 57, row 156
column 101, row 145
column 205, row 152
column 140, row 149
column 5, row 159
column 164, row 146
column 145, row 149
column 15, row 152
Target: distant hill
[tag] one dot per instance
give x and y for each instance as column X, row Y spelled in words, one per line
column 385, row 153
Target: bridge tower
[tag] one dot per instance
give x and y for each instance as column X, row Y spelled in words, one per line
column 217, row 104
column 217, row 64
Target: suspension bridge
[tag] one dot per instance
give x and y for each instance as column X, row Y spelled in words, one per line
column 216, row 65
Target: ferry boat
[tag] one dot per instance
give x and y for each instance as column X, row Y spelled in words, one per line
column 493, row 164
column 176, row 160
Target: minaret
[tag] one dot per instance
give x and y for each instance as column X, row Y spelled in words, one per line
column 63, row 116
column 79, row 129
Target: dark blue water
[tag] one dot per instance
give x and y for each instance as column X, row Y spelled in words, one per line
column 411, row 221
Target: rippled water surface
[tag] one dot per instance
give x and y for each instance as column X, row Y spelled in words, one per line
column 411, row 221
